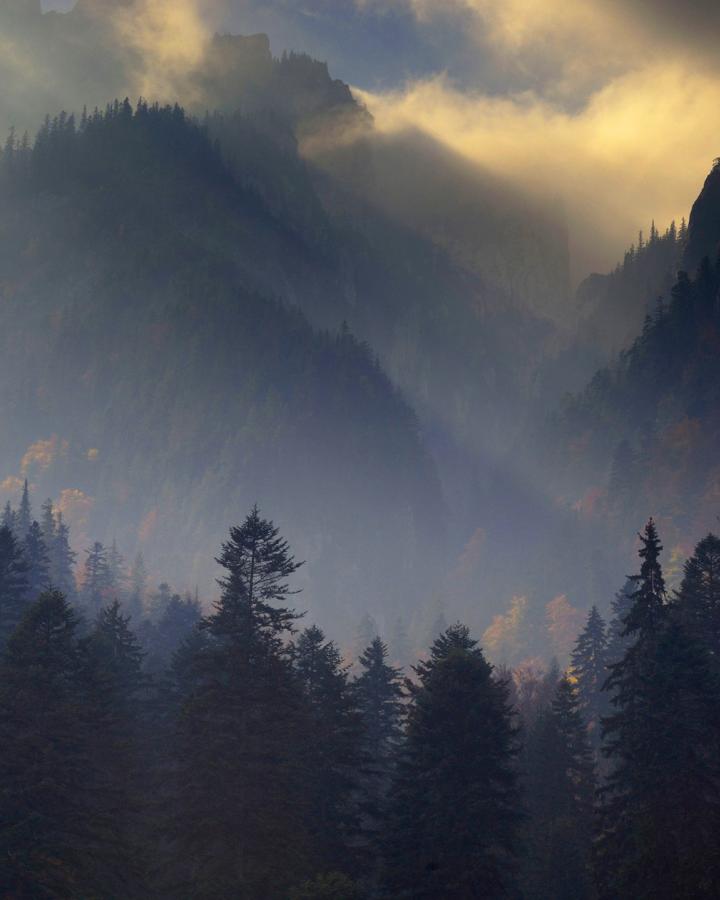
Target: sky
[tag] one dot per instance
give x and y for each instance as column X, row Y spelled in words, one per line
column 610, row 105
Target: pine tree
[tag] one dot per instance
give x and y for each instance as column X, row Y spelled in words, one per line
column 13, row 585
column 239, row 829
column 115, row 689
column 46, row 830
column 96, row 578
column 333, row 748
column 9, row 520
column 661, row 799
column 48, row 525
column 560, row 787
column 589, row 668
column 160, row 600
column 697, row 603
column 175, row 625
column 455, row 816
column 24, row 513
column 116, row 573
column 379, row 695
column 62, row 561
column 618, row 640
column 38, row 562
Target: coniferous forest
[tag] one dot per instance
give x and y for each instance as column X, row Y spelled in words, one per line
column 359, row 474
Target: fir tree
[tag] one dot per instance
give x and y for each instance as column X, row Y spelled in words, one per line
column 48, row 525
column 24, row 513
column 13, row 584
column 96, row 579
column 589, row 668
column 618, row 639
column 455, row 817
column 62, row 561
column 47, row 835
column 9, row 519
column 661, row 799
column 333, row 748
column 560, row 788
column 160, row 600
column 181, row 616
column 239, row 829
column 697, row 603
column 379, row 695
column 38, row 562
column 114, row 692
column 116, row 573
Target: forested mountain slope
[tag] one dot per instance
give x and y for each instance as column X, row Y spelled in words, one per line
column 642, row 437
column 169, row 392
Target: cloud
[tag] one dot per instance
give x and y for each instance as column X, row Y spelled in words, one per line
column 40, row 455
column 615, row 162
column 170, row 39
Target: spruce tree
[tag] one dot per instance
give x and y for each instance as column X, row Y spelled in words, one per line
column 697, row 604
column 660, row 802
column 589, row 668
column 115, row 691
column 618, row 639
column 453, row 831
column 62, row 561
column 48, row 525
column 379, row 695
column 239, row 827
column 13, row 584
column 47, row 834
column 23, row 518
column 38, row 561
column 560, row 787
column 9, row 519
column 96, row 579
column 333, row 747
column 116, row 573
column 181, row 616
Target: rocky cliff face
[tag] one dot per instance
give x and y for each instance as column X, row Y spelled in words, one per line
column 704, row 224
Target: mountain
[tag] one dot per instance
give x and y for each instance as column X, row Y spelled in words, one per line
column 641, row 438
column 326, row 220
column 704, row 225
column 147, row 382
column 612, row 307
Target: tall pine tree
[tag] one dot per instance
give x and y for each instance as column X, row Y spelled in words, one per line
column 38, row 561
column 239, row 826
column 13, row 584
column 333, row 747
column 453, row 832
column 589, row 668
column 560, row 787
column 661, row 799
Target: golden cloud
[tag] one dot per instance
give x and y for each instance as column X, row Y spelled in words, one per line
column 614, row 162
column 170, row 38
column 42, row 454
